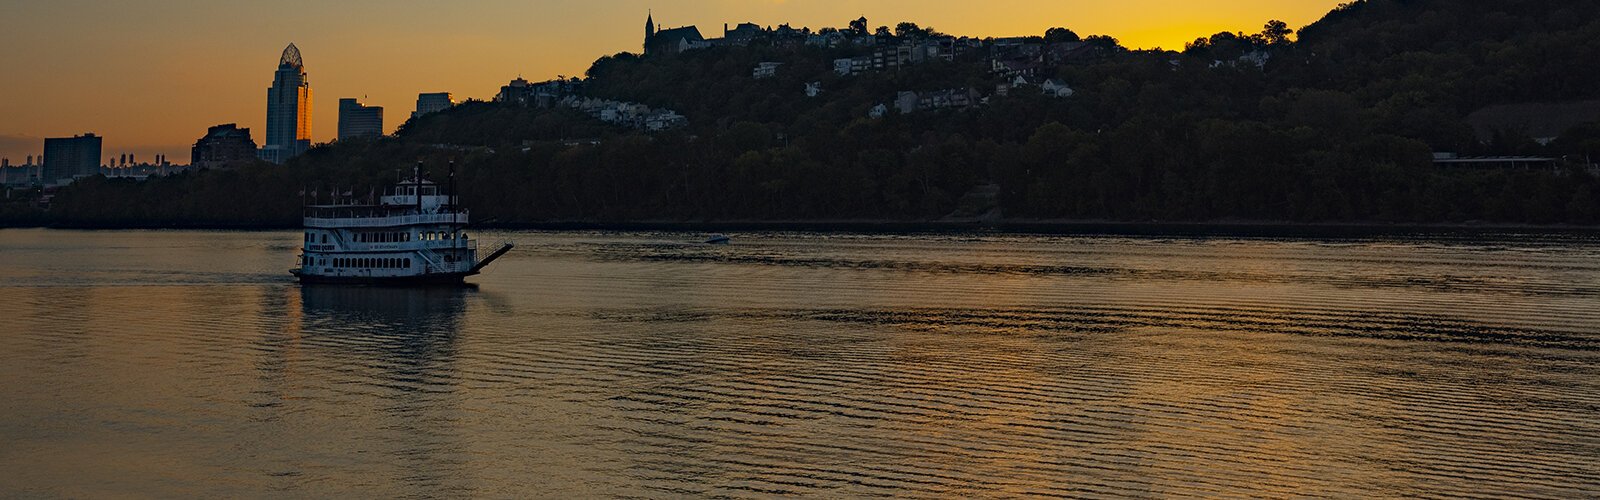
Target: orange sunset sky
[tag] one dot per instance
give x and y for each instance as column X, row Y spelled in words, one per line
column 151, row 75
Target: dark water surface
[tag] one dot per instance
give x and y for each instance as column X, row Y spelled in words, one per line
column 188, row 364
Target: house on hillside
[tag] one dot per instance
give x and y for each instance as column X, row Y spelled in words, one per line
column 766, row 70
column 911, row 102
column 741, row 35
column 1060, row 53
column 842, row 66
column 1055, row 88
column 1005, row 87
column 906, row 102
column 853, row 65
column 1013, row 67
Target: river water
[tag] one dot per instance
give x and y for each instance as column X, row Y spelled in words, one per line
column 189, row 364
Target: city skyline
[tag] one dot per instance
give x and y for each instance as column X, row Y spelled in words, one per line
column 183, row 66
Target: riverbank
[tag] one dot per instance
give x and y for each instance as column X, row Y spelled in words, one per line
column 1037, row 226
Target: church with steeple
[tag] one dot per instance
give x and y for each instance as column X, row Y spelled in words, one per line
column 669, row 41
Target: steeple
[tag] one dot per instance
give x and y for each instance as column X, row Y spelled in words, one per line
column 649, row 29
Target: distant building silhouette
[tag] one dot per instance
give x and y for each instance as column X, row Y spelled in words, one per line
column 433, row 103
column 288, row 110
column 743, row 33
column 669, row 41
column 518, row 91
column 649, row 29
column 356, row 120
column 222, row 146
column 66, row 159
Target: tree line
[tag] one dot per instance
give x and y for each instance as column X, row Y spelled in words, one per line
column 1333, row 122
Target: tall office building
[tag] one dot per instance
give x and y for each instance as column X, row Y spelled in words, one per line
column 432, row 103
column 66, row 159
column 356, row 120
column 288, row 110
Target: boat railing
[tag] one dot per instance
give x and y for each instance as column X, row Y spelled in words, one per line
column 337, row 221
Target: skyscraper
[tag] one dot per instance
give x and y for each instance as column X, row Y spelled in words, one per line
column 68, row 158
column 288, row 110
column 433, row 103
column 356, row 120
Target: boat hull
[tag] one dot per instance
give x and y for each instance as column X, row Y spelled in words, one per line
column 437, row 279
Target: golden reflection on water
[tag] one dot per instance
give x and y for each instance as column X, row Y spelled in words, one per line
column 832, row 365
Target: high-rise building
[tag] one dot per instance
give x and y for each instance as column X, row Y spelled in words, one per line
column 433, row 103
column 288, row 110
column 356, row 120
column 66, row 159
column 222, row 146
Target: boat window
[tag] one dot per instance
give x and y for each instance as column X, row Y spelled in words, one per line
column 408, row 263
column 324, row 237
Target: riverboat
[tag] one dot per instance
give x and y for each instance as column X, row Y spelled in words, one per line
column 412, row 235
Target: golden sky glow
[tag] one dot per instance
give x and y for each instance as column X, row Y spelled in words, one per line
column 151, row 75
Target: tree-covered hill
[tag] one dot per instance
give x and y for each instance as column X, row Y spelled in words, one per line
column 1337, row 124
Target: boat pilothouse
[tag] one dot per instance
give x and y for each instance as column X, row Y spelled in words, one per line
column 412, row 235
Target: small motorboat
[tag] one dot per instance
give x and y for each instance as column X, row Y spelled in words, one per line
column 718, row 239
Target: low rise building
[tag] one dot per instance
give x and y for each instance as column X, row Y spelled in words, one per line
column 222, row 146
column 433, row 102
column 766, row 70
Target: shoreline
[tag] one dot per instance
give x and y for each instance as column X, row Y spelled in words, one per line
column 1014, row 226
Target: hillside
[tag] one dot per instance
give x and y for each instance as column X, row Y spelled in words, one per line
column 1338, row 125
